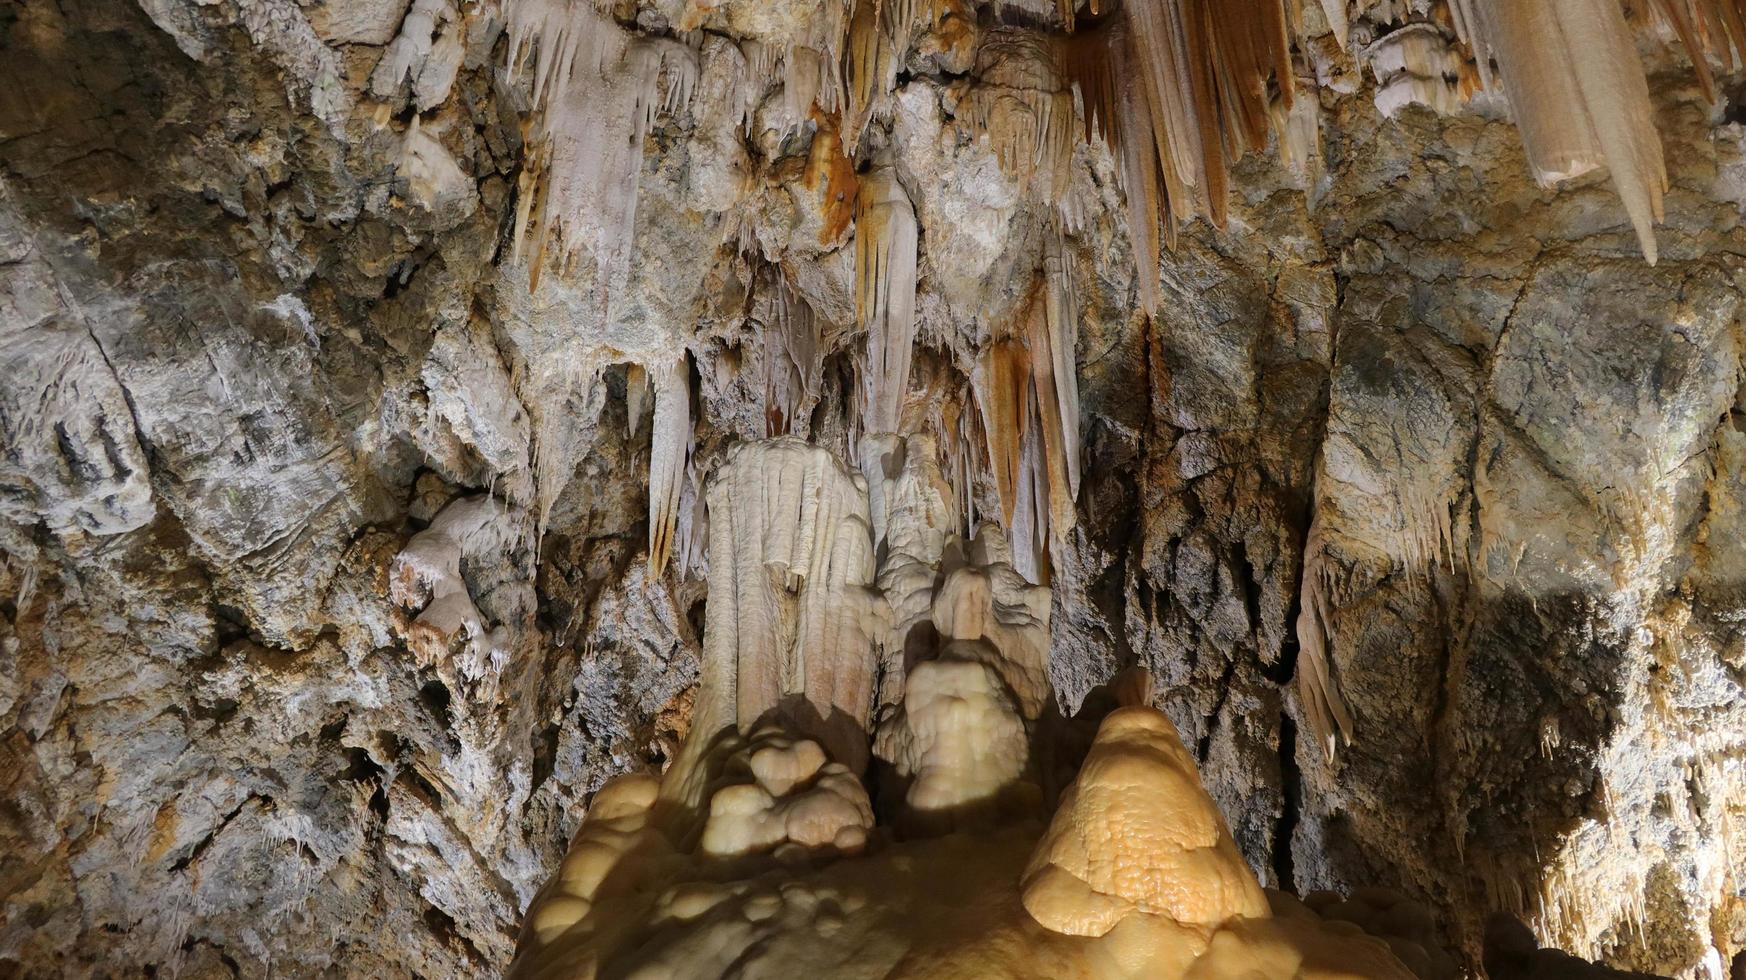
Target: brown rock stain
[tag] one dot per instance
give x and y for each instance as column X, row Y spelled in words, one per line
column 831, row 174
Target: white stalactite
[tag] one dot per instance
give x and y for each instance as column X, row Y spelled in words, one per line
column 597, row 91
column 1579, row 94
column 670, row 443
column 886, row 238
column 793, row 362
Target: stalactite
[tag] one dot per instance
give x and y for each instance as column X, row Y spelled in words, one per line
column 957, row 427
column 1335, row 12
column 1027, row 389
column 793, row 360
column 1324, row 709
column 1019, row 104
column 1103, row 66
column 636, row 392
column 901, row 17
column 1003, row 384
column 596, row 91
column 871, row 70
column 1030, row 524
column 1579, row 94
column 1055, row 369
column 886, row 239
column 421, row 55
column 1708, row 29
column 1204, row 73
column 1419, row 63
column 669, row 450
column 1300, row 138
column 691, row 532
column 810, row 63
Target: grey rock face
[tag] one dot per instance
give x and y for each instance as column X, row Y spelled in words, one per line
column 259, row 326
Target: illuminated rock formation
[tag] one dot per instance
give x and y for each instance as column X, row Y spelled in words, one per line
column 791, row 625
column 778, row 869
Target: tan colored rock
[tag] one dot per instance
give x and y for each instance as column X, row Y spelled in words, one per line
column 791, row 629
column 1137, row 834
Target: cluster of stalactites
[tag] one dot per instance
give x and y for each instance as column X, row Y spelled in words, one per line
column 596, row 90
column 1571, row 73
column 1021, row 106
column 1578, row 93
column 793, row 360
column 1027, row 391
column 1181, row 89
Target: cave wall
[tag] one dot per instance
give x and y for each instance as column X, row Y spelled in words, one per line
column 261, row 326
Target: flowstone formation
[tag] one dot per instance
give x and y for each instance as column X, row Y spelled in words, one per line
column 757, row 854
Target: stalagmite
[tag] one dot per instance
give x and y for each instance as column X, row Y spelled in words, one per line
column 886, row 237
column 794, row 799
column 961, row 746
column 982, row 599
column 1136, row 834
column 914, row 512
column 354, row 348
column 1139, row 856
column 588, row 901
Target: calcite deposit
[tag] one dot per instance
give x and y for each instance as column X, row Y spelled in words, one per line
column 1366, row 373
column 777, row 868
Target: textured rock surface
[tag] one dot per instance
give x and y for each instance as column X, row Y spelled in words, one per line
column 260, row 330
